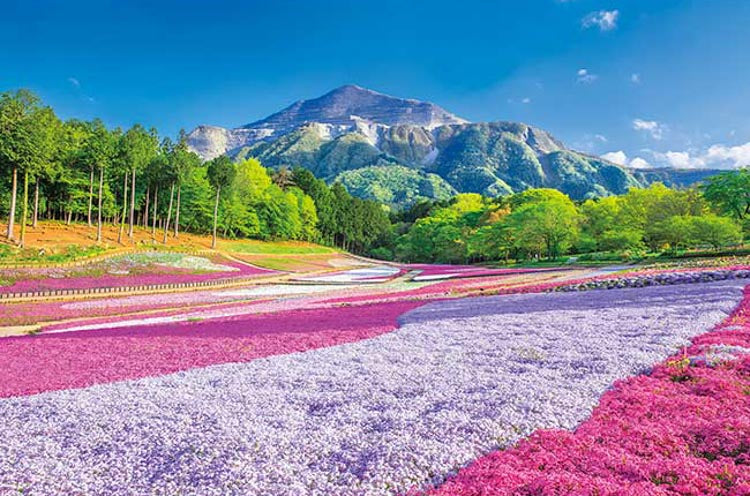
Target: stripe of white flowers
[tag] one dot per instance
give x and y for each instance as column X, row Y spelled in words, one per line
column 458, row 379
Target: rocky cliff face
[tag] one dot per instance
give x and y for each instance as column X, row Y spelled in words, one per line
column 398, row 151
column 345, row 109
column 346, row 105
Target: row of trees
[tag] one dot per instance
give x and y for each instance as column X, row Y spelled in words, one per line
column 84, row 172
column 80, row 169
column 546, row 223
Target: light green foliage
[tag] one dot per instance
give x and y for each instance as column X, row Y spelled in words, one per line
column 715, row 231
column 446, row 235
column 544, row 224
column 673, row 232
column 137, row 148
column 27, row 129
column 221, row 173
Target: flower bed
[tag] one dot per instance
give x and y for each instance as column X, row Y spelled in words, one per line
column 658, row 278
column 377, row 273
column 372, row 416
column 79, row 359
column 684, row 429
column 432, row 272
column 140, row 269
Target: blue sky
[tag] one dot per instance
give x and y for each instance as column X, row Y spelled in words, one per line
column 663, row 82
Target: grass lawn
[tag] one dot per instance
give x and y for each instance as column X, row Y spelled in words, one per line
column 255, row 247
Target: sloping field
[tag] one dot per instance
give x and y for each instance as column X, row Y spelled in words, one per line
column 51, row 240
column 356, row 378
column 381, row 398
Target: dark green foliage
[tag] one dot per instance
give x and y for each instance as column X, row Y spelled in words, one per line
column 343, row 220
column 730, row 192
column 395, row 185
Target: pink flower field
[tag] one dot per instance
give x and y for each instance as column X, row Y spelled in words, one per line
column 91, row 357
column 129, row 270
column 683, row 429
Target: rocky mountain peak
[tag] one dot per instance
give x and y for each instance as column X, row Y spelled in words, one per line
column 343, row 105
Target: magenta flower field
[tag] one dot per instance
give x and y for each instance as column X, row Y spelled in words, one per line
column 140, row 269
column 376, row 382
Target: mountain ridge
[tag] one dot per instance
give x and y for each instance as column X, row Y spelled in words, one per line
column 398, row 150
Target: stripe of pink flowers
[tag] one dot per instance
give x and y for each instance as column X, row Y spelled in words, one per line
column 174, row 276
column 676, row 431
column 34, row 364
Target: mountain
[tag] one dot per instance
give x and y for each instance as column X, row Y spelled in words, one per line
column 337, row 112
column 399, row 150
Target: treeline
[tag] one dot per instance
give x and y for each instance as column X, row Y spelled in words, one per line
column 544, row 223
column 79, row 171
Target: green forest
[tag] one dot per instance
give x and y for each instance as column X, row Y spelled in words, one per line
column 546, row 224
column 77, row 171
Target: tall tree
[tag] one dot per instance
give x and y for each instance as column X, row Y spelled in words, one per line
column 43, row 129
column 138, row 147
column 74, row 175
column 99, row 151
column 49, row 135
column 221, row 172
column 17, row 140
column 126, row 175
column 544, row 222
column 730, row 192
column 183, row 162
column 155, row 174
column 168, row 175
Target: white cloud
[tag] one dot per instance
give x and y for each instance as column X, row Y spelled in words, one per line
column 620, row 158
column 653, row 128
column 717, row 156
column 526, row 100
column 601, row 137
column 635, row 78
column 737, row 156
column 682, row 160
column 585, row 77
column 617, row 157
column 74, row 82
column 639, row 163
column 605, row 20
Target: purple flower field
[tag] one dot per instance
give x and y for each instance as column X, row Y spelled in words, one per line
column 384, row 415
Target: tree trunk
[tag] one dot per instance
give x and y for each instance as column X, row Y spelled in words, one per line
column 177, row 214
column 132, row 205
column 156, row 204
column 25, row 214
column 91, row 193
column 99, row 213
column 124, row 208
column 169, row 214
column 70, row 216
column 216, row 216
column 145, row 210
column 12, row 213
column 36, row 204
